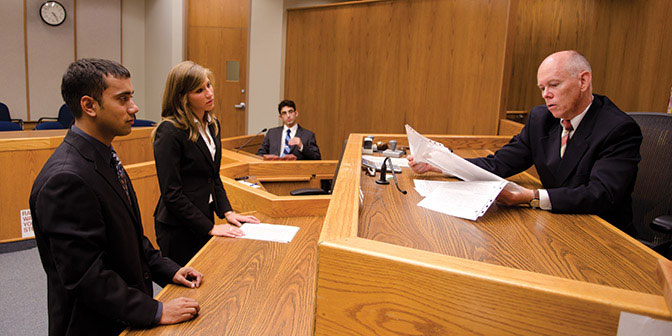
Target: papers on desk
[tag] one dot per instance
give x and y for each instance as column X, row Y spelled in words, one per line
column 253, row 185
column 397, row 163
column 469, row 199
column 269, row 232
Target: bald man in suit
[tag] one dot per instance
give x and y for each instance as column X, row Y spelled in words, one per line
column 585, row 149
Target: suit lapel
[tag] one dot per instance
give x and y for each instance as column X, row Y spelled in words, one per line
column 577, row 145
column 218, row 147
column 104, row 169
column 281, row 139
column 200, row 143
column 550, row 145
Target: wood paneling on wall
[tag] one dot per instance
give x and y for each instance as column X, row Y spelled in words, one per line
column 31, row 149
column 217, row 33
column 438, row 65
column 628, row 43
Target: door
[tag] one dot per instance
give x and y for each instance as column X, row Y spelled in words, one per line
column 217, row 39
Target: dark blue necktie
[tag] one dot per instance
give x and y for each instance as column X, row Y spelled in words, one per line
column 287, row 138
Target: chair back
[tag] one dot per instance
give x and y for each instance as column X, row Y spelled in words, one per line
column 4, row 113
column 143, row 123
column 652, row 196
column 65, row 117
column 9, row 126
column 48, row 125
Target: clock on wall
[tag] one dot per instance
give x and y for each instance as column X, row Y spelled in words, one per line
column 52, row 13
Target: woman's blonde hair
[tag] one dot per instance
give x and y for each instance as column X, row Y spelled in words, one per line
column 184, row 78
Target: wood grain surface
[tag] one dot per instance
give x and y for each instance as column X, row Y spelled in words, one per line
column 439, row 65
column 252, row 287
column 628, row 43
column 22, row 155
column 387, row 266
column 367, row 287
column 575, row 247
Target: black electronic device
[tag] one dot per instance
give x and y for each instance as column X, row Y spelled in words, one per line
column 250, row 139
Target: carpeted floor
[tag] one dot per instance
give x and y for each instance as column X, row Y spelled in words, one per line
column 23, row 292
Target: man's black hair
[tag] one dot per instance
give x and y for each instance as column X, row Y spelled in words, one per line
column 86, row 77
column 286, row 102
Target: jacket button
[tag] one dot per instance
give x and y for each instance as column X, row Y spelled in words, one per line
column 146, row 275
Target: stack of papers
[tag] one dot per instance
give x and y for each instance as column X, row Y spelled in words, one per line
column 397, row 163
column 469, row 199
column 269, row 232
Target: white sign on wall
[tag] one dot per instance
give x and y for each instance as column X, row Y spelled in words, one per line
column 26, row 224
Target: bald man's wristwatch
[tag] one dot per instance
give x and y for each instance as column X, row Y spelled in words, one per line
column 534, row 203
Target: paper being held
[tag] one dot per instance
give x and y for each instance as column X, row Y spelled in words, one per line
column 436, row 154
column 269, row 232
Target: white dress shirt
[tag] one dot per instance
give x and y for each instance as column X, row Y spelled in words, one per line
column 544, row 200
column 292, row 133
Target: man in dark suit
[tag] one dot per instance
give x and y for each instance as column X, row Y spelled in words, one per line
column 585, row 149
column 290, row 139
column 86, row 219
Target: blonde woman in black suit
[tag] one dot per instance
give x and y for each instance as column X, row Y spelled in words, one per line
column 188, row 152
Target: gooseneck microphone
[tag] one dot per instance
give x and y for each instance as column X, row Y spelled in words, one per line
column 383, row 175
column 250, row 139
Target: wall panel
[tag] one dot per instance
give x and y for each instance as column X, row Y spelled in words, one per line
column 50, row 51
column 438, row 65
column 628, row 43
column 13, row 65
column 99, row 29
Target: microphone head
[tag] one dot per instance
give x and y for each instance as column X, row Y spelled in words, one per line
column 264, row 130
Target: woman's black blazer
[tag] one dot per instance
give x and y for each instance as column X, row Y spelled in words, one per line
column 187, row 177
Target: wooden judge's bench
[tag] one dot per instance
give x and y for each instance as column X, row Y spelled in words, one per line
column 379, row 264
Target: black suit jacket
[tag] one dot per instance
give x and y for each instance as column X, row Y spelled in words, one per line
column 187, row 177
column 274, row 139
column 99, row 264
column 597, row 173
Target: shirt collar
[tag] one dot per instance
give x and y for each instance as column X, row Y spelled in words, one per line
column 207, row 117
column 577, row 120
column 293, row 128
column 105, row 151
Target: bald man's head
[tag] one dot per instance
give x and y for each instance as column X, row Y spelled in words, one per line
column 565, row 81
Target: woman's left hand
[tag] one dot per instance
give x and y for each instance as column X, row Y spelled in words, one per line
column 237, row 219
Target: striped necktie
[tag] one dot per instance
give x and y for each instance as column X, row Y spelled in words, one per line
column 121, row 173
column 567, row 128
column 287, row 147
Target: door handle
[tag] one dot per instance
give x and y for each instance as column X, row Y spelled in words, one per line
column 240, row 106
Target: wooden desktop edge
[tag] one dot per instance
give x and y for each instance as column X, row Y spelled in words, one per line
column 339, row 235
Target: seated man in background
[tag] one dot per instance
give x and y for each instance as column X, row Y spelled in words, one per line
column 290, row 139
column 585, row 149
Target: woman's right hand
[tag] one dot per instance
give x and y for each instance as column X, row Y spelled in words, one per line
column 226, row 230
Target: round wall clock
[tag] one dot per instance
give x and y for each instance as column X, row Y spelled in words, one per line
column 52, row 13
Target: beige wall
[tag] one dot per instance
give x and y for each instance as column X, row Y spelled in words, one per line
column 163, row 49
column 146, row 35
column 268, row 26
column 13, row 65
column 31, row 79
